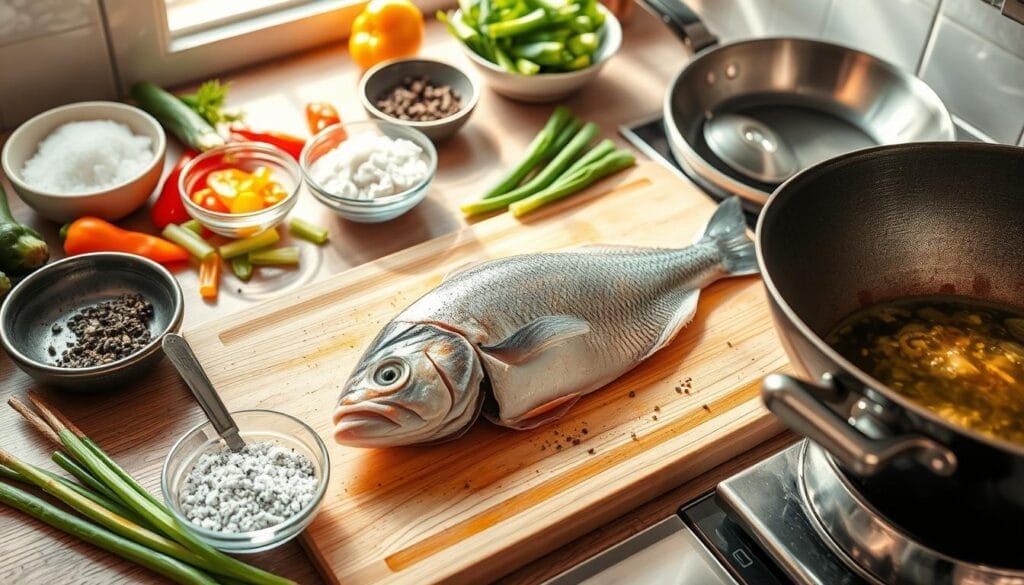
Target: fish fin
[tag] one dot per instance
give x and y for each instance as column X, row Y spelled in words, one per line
column 536, row 336
column 728, row 229
column 680, row 319
column 542, row 414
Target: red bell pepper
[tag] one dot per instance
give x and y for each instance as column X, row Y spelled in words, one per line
column 169, row 207
column 286, row 142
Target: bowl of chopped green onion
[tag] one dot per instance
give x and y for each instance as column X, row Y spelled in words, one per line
column 539, row 51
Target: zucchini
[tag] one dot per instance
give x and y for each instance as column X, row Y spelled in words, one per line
column 176, row 116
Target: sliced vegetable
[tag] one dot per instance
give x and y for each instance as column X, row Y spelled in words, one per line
column 320, row 115
column 246, row 245
column 191, row 128
column 209, row 277
column 91, row 234
column 580, row 180
column 194, row 226
column 233, row 190
column 286, row 142
column 529, row 37
column 190, row 241
column 242, row 268
column 208, row 102
column 5, row 285
column 385, row 29
column 287, row 255
column 22, row 249
column 169, row 207
column 301, row 228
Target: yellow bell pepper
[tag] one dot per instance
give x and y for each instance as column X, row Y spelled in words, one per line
column 386, row 29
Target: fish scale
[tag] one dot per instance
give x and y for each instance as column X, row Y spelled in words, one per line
column 542, row 329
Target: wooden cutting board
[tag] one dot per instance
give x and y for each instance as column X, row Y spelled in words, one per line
column 478, row 507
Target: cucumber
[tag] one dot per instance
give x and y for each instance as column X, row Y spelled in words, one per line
column 177, row 117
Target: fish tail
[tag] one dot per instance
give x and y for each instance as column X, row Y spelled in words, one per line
column 728, row 229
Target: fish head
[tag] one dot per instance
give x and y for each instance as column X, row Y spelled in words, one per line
column 417, row 382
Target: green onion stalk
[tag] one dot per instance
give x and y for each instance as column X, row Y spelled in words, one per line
column 578, row 181
column 173, row 569
column 537, row 151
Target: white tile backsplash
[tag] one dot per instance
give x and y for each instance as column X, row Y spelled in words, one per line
column 895, row 30
column 798, row 18
column 25, row 19
column 987, row 22
column 43, row 72
column 978, row 80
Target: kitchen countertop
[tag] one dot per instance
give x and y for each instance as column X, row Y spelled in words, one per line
column 139, row 423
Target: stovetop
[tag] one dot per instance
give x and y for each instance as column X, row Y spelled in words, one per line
column 648, row 136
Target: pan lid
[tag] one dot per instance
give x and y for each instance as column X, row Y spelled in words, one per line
column 750, row 147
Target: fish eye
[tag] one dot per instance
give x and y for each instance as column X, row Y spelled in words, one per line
column 390, row 372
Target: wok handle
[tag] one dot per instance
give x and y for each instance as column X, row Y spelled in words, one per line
column 683, row 21
column 797, row 404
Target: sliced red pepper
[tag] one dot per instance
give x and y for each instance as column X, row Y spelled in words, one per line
column 286, row 142
column 320, row 115
column 169, row 207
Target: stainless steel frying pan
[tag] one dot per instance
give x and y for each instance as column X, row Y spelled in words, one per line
column 743, row 117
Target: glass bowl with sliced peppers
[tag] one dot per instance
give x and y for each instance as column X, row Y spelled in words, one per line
column 240, row 189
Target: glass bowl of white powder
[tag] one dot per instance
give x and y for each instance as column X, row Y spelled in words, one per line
column 369, row 171
column 252, row 500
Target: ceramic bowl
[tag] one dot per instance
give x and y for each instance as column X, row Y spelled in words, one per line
column 550, row 87
column 379, row 80
column 253, row 425
column 111, row 203
column 367, row 210
column 53, row 293
column 246, row 156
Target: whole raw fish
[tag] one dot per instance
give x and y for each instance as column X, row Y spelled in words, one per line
column 522, row 338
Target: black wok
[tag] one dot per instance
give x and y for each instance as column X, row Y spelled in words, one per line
column 886, row 222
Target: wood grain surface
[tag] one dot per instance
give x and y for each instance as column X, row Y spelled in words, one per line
column 483, row 505
column 139, row 422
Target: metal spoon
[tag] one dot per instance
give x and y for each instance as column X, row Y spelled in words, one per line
column 188, row 367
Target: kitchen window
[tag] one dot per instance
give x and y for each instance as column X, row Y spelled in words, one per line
column 175, row 41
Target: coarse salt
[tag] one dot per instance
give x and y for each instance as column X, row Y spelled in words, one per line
column 260, row 486
column 85, row 156
column 368, row 166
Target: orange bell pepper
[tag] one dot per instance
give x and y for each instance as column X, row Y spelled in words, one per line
column 386, row 29
column 320, row 115
column 91, row 234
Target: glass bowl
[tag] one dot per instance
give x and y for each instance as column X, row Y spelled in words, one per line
column 246, row 156
column 367, row 210
column 253, row 425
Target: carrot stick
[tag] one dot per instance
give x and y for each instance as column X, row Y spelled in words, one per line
column 209, row 277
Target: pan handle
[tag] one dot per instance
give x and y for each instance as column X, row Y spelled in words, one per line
column 796, row 402
column 683, row 21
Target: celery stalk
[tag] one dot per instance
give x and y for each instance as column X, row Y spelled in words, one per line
column 246, row 245
column 301, row 228
column 193, row 226
column 277, row 256
column 242, row 268
column 195, row 245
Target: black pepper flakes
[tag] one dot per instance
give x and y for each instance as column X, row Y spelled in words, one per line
column 107, row 332
column 591, row 450
column 706, row 407
column 632, row 394
column 419, row 100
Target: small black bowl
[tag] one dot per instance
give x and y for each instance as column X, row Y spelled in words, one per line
column 53, row 293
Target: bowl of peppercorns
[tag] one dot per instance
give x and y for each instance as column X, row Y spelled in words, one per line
column 91, row 322
column 431, row 96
